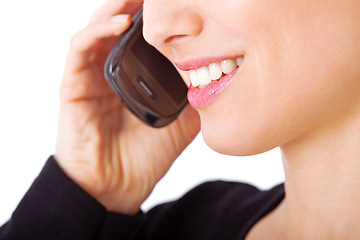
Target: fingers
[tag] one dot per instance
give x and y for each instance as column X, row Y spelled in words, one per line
column 114, row 7
column 188, row 126
column 107, row 27
column 109, row 21
column 83, row 42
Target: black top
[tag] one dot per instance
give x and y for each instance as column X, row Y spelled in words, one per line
column 56, row 208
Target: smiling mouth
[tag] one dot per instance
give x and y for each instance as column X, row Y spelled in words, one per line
column 207, row 75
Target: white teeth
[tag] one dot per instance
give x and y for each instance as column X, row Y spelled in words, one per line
column 193, row 78
column 239, row 61
column 204, row 75
column 215, row 71
column 228, row 66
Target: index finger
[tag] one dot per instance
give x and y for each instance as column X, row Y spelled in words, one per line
column 115, row 7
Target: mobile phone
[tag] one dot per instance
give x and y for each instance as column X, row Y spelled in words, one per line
column 145, row 81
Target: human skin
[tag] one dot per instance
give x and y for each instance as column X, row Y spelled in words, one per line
column 100, row 145
column 297, row 64
column 297, row 88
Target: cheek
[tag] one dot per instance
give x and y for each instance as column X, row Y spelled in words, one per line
column 245, row 119
column 268, row 104
column 285, row 94
column 245, row 124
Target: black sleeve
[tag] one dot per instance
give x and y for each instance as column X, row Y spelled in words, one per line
column 56, row 208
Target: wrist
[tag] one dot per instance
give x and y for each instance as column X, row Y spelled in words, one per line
column 110, row 194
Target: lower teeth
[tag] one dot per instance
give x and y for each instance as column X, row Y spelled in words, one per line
column 212, row 82
column 204, row 86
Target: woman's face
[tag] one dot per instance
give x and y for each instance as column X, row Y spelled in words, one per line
column 300, row 65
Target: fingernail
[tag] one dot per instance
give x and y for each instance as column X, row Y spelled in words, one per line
column 119, row 18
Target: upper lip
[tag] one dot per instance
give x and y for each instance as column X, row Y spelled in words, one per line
column 197, row 63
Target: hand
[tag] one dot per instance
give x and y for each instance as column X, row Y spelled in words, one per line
column 100, row 144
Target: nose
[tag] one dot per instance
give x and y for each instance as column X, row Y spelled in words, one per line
column 168, row 22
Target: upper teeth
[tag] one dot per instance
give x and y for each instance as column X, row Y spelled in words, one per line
column 203, row 76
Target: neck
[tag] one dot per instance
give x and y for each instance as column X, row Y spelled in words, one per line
column 323, row 182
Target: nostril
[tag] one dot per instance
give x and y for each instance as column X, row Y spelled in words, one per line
column 173, row 38
column 163, row 27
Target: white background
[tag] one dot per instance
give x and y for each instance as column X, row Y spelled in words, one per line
column 34, row 38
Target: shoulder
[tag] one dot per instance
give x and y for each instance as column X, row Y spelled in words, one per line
column 218, row 209
column 227, row 199
column 220, row 194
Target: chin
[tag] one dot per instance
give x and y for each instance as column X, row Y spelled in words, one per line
column 235, row 140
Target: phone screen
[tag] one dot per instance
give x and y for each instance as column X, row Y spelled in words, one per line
column 160, row 68
column 145, row 81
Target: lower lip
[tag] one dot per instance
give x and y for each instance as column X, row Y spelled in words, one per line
column 200, row 98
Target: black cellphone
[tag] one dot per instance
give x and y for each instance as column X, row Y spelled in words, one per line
column 144, row 80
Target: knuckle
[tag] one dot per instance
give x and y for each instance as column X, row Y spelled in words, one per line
column 95, row 15
column 75, row 38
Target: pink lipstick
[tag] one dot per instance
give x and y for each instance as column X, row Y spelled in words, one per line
column 209, row 77
column 200, row 98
